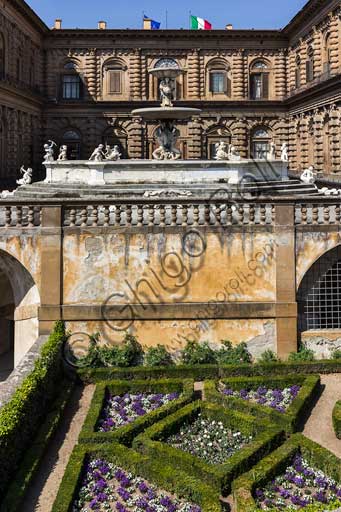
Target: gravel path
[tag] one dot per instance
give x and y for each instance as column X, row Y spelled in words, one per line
column 319, row 426
column 45, row 485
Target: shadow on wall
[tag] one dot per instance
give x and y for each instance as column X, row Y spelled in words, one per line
column 19, row 301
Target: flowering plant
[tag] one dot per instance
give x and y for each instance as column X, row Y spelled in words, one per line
column 278, row 399
column 209, row 440
column 123, row 409
column 300, row 486
column 108, row 487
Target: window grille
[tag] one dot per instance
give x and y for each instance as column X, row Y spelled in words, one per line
column 320, row 294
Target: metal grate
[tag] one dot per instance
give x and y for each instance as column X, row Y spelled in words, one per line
column 320, row 294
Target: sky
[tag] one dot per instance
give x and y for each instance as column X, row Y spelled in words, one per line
column 128, row 13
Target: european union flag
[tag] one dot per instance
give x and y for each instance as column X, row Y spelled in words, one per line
column 151, row 24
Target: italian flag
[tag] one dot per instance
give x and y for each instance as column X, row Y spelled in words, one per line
column 200, row 24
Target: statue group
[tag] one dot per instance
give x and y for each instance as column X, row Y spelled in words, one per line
column 108, row 153
column 167, row 135
column 226, row 151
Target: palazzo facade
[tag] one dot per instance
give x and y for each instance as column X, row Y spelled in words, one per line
column 78, row 87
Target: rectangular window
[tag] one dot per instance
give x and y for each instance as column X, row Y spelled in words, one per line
column 114, row 82
column 218, row 82
column 260, row 86
column 310, row 70
column 298, row 78
column 71, row 87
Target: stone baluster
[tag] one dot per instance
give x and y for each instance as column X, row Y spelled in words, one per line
column 118, row 214
column 30, row 216
column 174, row 215
column 106, row 212
column 129, row 214
column 140, row 215
column 315, row 214
column 263, row 214
column 19, row 215
column 252, row 212
column 73, row 217
column 8, row 216
column 229, row 216
column 196, row 215
column 337, row 213
column 326, row 214
column 193, row 81
column 162, row 215
column 84, row 216
column 95, row 215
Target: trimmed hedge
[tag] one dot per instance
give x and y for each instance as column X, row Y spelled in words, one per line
column 219, row 476
column 21, row 417
column 156, row 472
column 291, row 419
column 337, row 419
column 276, row 464
column 204, row 372
column 36, row 452
column 126, row 434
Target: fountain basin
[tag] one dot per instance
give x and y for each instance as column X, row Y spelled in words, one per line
column 168, row 113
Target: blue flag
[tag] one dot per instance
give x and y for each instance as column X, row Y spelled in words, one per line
column 151, row 24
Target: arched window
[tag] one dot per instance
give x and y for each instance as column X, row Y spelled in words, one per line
column 260, row 141
column 214, row 135
column 114, row 77
column 166, row 63
column 72, row 139
column 116, row 136
column 71, row 82
column 319, row 295
column 326, row 54
column 298, row 72
column 2, row 56
column 219, row 78
column 310, row 65
column 259, row 80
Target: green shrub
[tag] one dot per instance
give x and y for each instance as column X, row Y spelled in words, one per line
column 130, row 353
column 21, row 417
column 198, row 353
column 304, row 354
column 157, row 356
column 233, row 355
column 337, row 419
column 268, row 356
column 336, row 354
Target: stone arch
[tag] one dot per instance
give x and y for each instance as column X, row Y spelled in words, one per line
column 319, row 294
column 19, row 302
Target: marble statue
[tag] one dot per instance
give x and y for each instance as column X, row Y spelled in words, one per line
column 308, row 176
column 107, row 150
column 167, row 135
column 271, row 155
column 167, row 193
column 234, row 156
column 222, row 151
column 62, row 153
column 284, row 152
column 49, row 151
column 166, row 90
column 113, row 154
column 6, row 193
column 98, row 154
column 26, row 176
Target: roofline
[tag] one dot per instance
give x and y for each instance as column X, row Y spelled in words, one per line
column 311, row 7
column 27, row 11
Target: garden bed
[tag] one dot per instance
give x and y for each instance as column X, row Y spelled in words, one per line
column 143, row 478
column 244, row 441
column 299, row 474
column 264, row 397
column 120, row 410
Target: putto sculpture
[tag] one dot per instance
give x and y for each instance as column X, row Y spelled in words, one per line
column 308, row 175
column 98, row 154
column 49, row 151
column 113, row 153
column 234, row 155
column 26, row 176
column 284, row 152
column 167, row 92
column 271, row 155
column 222, row 151
column 62, row 153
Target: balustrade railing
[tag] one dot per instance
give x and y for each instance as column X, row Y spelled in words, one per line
column 315, row 213
column 20, row 216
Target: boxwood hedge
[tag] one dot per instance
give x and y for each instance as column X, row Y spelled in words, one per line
column 337, row 419
column 21, row 417
column 126, row 434
column 291, row 419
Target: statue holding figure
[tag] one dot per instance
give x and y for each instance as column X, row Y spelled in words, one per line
column 107, row 150
column 284, row 152
column 234, row 156
column 308, row 176
column 167, row 135
column 166, row 90
column 26, row 176
column 98, row 154
column 271, row 155
column 49, row 151
column 113, row 154
column 62, row 153
column 221, row 151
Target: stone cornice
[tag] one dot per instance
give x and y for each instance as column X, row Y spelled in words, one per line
column 307, row 14
column 23, row 8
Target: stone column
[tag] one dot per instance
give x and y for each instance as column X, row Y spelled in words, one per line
column 194, row 138
column 238, row 75
column 193, row 79
column 280, row 75
column 286, row 321
column 91, row 74
column 334, row 43
column 51, row 288
column 135, row 74
column 135, row 138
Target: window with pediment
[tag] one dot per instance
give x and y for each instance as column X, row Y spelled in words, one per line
column 259, row 80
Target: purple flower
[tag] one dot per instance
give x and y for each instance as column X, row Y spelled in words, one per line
column 228, row 392
column 124, row 494
column 143, row 487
